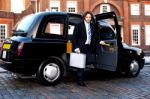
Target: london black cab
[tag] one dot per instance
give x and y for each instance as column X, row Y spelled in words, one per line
column 39, row 46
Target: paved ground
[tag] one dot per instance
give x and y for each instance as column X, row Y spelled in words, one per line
column 147, row 59
column 99, row 86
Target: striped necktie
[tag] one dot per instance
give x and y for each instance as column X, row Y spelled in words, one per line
column 89, row 34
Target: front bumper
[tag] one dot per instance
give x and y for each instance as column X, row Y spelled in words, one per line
column 142, row 62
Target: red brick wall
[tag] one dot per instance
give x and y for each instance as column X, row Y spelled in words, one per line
column 9, row 23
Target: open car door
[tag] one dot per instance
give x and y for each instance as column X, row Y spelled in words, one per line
column 107, row 41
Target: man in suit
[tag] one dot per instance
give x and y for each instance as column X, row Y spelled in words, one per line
column 83, row 41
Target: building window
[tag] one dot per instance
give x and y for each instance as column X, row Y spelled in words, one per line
column 147, row 10
column 3, row 31
column 135, row 9
column 72, row 6
column 20, row 6
column 104, row 8
column 135, row 32
column 54, row 6
column 147, row 34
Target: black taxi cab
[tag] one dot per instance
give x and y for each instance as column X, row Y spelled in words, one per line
column 40, row 44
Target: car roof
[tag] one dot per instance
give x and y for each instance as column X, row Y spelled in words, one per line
column 55, row 13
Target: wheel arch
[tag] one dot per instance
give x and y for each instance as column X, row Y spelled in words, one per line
column 59, row 59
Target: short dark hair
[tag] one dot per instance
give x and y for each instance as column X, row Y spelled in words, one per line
column 88, row 12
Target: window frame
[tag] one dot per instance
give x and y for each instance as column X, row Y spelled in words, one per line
column 132, row 9
column 53, row 35
column 72, row 4
column 107, row 6
column 147, row 11
column 5, row 35
column 54, row 4
column 136, row 28
column 147, row 36
column 20, row 6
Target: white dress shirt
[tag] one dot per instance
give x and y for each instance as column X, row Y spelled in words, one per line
column 86, row 27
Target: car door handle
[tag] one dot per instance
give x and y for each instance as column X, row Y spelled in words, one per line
column 105, row 44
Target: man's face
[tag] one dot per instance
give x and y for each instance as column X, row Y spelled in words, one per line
column 88, row 18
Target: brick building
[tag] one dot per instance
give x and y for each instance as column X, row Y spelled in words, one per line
column 133, row 15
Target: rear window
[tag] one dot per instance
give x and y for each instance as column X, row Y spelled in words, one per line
column 24, row 24
column 54, row 27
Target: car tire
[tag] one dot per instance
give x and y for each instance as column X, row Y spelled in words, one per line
column 51, row 71
column 133, row 69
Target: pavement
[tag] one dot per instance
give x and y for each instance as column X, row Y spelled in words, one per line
column 2, row 70
column 99, row 86
column 147, row 60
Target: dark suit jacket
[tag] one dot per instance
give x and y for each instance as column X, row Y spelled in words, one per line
column 80, row 37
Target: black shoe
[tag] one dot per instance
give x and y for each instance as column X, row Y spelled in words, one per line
column 82, row 84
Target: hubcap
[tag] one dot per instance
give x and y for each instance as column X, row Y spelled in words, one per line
column 51, row 72
column 134, row 67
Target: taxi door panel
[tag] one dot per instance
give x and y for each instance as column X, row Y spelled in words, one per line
column 107, row 51
column 107, row 55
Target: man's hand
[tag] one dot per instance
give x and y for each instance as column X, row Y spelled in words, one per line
column 77, row 50
column 103, row 43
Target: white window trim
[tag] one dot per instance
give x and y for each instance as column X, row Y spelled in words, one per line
column 147, row 10
column 135, row 27
column 72, row 4
column 108, row 8
column 134, row 10
column 55, row 4
column 147, row 35
column 5, row 30
column 20, row 6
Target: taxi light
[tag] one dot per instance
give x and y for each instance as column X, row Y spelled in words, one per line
column 20, row 47
column 69, row 47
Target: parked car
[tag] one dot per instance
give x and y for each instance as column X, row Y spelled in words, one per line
column 39, row 46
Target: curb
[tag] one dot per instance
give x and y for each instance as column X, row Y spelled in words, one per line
column 2, row 70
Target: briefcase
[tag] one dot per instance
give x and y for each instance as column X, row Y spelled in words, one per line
column 77, row 60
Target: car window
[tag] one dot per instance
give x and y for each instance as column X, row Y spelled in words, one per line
column 71, row 29
column 106, row 30
column 54, row 27
column 23, row 25
column 73, row 21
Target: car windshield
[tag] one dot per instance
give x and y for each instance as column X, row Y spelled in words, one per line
column 24, row 24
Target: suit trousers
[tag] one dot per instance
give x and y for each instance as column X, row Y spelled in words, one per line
column 80, row 71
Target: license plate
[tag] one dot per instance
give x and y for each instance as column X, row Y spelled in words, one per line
column 4, row 54
column 6, row 46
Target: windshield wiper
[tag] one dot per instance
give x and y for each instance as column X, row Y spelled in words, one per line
column 19, row 30
column 19, row 33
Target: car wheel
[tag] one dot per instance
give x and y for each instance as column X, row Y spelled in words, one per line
column 133, row 69
column 50, row 72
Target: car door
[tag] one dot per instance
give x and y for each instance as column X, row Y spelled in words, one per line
column 73, row 20
column 107, row 45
